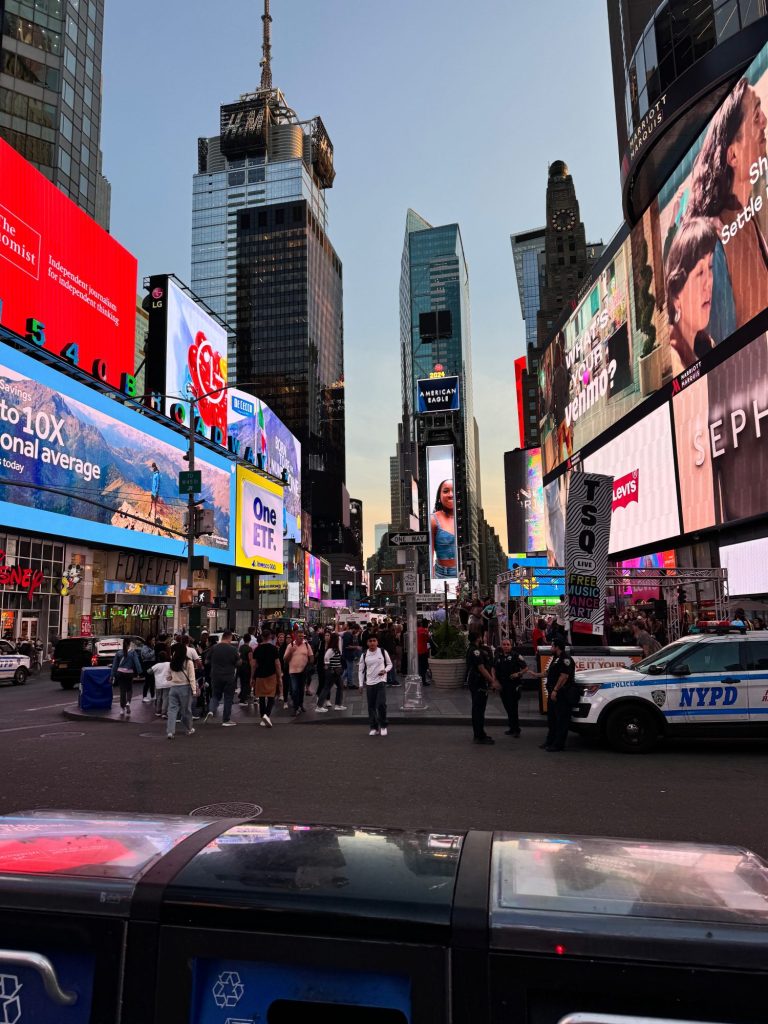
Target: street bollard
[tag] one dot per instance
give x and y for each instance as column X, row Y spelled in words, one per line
column 413, row 696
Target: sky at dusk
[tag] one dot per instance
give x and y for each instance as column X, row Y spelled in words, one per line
column 454, row 109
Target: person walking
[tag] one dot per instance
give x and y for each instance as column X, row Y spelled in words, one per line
column 422, row 650
column 375, row 664
column 298, row 656
column 147, row 656
column 317, row 643
column 161, row 677
column 125, row 667
column 350, row 651
column 387, row 643
column 183, row 689
column 267, row 676
column 644, row 639
column 244, row 669
column 560, row 676
column 222, row 663
column 479, row 680
column 507, row 672
column 333, row 674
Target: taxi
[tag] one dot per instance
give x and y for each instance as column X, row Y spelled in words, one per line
column 713, row 683
column 14, row 667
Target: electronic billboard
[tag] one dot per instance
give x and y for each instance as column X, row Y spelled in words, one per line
column 76, row 463
column 65, row 283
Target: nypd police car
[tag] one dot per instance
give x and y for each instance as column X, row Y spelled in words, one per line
column 14, row 668
column 713, row 683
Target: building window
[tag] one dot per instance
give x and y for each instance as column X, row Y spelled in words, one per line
column 70, row 61
column 72, row 28
column 89, row 67
column 85, row 156
column 84, row 185
column 66, row 127
column 68, row 94
column 86, row 127
column 65, row 162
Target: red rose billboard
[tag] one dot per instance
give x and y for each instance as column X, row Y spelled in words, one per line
column 65, row 283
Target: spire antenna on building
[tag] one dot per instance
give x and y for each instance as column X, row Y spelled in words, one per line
column 266, row 49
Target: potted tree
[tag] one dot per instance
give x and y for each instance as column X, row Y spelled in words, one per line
column 448, row 658
column 649, row 364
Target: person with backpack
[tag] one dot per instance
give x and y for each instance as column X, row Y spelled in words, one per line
column 374, row 667
column 125, row 667
column 183, row 688
column 334, row 673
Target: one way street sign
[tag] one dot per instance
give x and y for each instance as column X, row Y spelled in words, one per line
column 398, row 540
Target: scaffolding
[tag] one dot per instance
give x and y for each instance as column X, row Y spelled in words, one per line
column 705, row 589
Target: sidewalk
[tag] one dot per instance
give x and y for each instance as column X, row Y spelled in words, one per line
column 444, row 707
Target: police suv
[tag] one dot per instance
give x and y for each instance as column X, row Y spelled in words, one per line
column 14, row 668
column 713, row 683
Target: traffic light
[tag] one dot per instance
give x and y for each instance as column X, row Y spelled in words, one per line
column 681, row 596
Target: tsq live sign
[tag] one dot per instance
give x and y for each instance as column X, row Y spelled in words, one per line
column 259, row 528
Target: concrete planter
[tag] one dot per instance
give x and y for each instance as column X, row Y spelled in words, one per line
column 448, row 673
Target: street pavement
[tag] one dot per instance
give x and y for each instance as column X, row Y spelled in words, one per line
column 420, row 776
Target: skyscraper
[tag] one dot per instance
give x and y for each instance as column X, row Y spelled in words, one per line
column 528, row 256
column 435, row 340
column 557, row 259
column 50, row 94
column 262, row 260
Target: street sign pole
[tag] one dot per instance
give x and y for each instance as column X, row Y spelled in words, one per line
column 413, row 696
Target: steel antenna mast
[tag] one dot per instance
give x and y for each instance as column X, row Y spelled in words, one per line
column 266, row 49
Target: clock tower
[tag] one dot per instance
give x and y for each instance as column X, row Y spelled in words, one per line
column 566, row 262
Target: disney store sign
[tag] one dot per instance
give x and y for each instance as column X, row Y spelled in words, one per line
column 19, row 577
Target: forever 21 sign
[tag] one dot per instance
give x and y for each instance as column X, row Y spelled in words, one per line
column 137, row 567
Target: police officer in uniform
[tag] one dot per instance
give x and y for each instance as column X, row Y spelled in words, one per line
column 508, row 669
column 560, row 674
column 479, row 680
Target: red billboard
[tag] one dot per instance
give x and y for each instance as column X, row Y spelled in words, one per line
column 521, row 366
column 65, row 283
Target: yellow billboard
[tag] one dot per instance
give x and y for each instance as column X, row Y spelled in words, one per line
column 259, row 523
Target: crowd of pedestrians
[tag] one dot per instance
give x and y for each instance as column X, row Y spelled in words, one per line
column 200, row 680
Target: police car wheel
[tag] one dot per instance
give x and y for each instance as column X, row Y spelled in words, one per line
column 631, row 729
column 20, row 676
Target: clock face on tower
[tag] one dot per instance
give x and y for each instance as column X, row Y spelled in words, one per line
column 563, row 220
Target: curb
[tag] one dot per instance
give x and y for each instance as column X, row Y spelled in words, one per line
column 401, row 718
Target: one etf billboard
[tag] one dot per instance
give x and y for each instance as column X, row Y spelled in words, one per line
column 588, row 534
column 77, row 464
column 187, row 357
column 254, row 431
column 64, row 281
column 259, row 540
column 443, row 550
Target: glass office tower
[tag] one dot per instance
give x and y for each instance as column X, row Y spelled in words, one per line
column 435, row 279
column 50, row 94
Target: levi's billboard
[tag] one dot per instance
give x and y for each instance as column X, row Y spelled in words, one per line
column 65, row 283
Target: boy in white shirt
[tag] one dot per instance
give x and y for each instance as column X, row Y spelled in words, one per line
column 374, row 666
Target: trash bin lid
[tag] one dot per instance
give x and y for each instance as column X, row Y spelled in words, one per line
column 74, row 861
column 617, row 894
column 309, row 870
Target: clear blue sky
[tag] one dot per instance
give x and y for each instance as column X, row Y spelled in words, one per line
column 454, row 108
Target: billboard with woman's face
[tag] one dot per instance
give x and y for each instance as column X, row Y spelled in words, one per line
column 443, row 550
column 695, row 270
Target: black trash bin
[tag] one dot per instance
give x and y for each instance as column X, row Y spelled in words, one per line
column 640, row 931
column 285, row 923
column 66, row 886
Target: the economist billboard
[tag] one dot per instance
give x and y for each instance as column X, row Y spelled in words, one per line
column 64, row 282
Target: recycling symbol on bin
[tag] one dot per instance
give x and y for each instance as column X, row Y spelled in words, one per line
column 228, row 990
column 10, row 1000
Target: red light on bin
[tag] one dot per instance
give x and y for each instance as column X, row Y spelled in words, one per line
column 560, row 950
